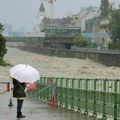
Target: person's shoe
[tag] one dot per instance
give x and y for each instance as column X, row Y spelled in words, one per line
column 20, row 116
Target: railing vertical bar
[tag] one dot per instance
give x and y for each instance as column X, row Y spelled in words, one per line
column 94, row 107
column 79, row 94
column 86, row 97
column 115, row 99
column 104, row 99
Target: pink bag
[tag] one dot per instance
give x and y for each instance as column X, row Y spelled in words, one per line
column 31, row 86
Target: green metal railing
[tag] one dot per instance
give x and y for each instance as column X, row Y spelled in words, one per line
column 99, row 96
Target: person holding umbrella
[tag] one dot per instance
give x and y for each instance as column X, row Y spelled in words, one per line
column 22, row 74
column 19, row 94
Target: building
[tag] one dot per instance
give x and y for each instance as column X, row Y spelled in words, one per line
column 59, row 36
column 85, row 14
column 40, row 17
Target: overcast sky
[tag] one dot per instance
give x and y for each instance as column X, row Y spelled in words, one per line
column 22, row 14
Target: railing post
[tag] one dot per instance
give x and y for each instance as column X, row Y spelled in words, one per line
column 104, row 100
column 8, row 86
column 115, row 99
column 94, row 107
column 72, row 97
column 44, row 93
column 86, row 98
column 61, row 85
column 66, row 96
column 78, row 95
column 56, row 91
column 10, row 90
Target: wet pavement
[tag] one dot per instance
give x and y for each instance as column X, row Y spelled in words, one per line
column 36, row 110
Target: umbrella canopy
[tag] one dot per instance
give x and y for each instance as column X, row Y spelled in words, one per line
column 24, row 73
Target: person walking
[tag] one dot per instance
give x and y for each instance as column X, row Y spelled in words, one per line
column 19, row 94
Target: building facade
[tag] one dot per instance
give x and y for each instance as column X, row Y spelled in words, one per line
column 85, row 14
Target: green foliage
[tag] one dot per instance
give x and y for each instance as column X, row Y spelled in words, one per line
column 80, row 41
column 1, row 27
column 114, row 45
column 92, row 45
column 115, row 25
column 104, row 7
column 3, row 49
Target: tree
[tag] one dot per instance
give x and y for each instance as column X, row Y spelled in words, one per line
column 104, row 7
column 80, row 41
column 1, row 28
column 3, row 49
column 114, row 26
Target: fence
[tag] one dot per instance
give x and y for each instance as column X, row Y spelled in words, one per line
column 97, row 96
column 4, row 87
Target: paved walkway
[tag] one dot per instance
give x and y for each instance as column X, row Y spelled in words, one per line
column 36, row 110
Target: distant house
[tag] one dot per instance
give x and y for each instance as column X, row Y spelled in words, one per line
column 104, row 29
column 85, row 14
column 97, row 29
column 104, row 22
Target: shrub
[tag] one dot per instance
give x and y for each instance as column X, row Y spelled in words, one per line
column 3, row 49
column 80, row 41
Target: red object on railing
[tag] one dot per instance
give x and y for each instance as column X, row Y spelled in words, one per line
column 52, row 102
column 8, row 86
column 31, row 86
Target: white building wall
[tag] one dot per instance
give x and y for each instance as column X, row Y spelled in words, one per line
column 86, row 14
column 40, row 18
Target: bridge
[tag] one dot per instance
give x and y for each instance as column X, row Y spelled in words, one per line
column 79, row 98
column 39, row 41
column 99, row 98
column 53, row 37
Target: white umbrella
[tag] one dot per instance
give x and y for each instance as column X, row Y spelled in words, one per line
column 24, row 73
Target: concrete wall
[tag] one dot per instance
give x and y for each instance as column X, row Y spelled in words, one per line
column 106, row 58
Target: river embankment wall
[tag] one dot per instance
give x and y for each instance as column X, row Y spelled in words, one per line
column 108, row 58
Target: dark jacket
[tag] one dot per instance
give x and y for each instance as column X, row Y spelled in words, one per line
column 18, row 89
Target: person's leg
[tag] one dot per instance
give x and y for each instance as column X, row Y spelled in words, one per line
column 19, row 107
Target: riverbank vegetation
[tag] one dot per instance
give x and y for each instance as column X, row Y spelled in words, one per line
column 3, row 49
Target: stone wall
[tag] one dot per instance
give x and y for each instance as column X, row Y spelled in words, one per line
column 106, row 58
